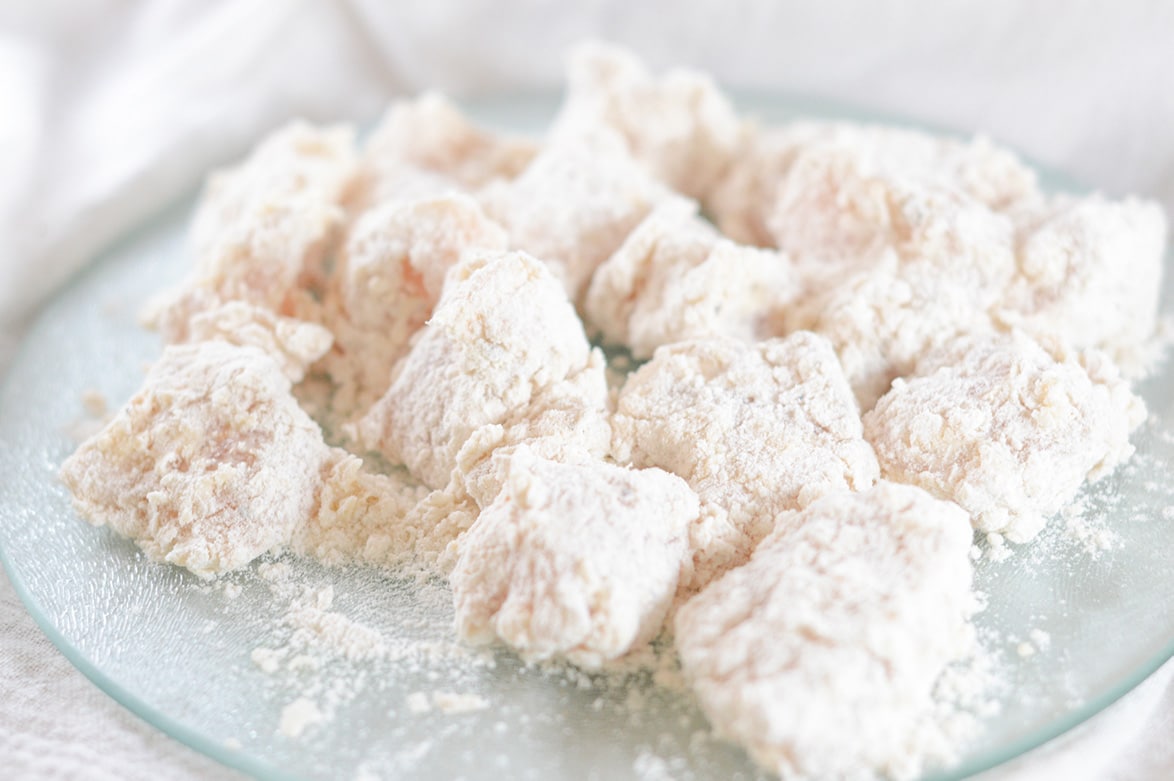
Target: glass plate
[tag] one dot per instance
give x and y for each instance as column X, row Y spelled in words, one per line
column 181, row 654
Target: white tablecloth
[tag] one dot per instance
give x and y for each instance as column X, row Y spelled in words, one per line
column 108, row 109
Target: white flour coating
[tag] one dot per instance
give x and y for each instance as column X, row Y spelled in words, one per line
column 755, row 429
column 1006, row 427
column 820, row 654
column 209, row 465
column 427, row 147
column 575, row 204
column 502, row 334
column 675, row 278
column 263, row 229
column 422, row 293
column 680, row 126
column 566, row 421
column 580, row 560
column 294, row 344
column 389, row 277
column 1089, row 271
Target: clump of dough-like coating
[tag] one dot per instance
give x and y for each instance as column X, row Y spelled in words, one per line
column 820, row 654
column 680, row 126
column 210, row 464
column 389, row 277
column 576, row 559
column 1006, row 427
column 427, row 147
column 263, row 228
column 575, row 204
column 755, row 429
column 1090, row 270
column 675, row 278
column 502, row 335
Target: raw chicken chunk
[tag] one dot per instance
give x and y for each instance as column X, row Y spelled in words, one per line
column 427, row 147
column 209, row 465
column 389, row 278
column 819, row 656
column 755, row 429
column 263, row 229
column 503, row 336
column 579, row 560
column 679, row 126
column 1006, row 427
column 1090, row 269
column 675, row 278
column 575, row 204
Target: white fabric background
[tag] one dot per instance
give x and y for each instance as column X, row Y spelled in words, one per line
column 109, row 109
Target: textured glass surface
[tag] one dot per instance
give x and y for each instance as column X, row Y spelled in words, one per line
column 178, row 653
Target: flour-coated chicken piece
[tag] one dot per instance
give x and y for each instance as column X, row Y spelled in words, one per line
column 819, row 656
column 1089, row 270
column 264, row 228
column 755, row 429
column 210, row 464
column 579, row 559
column 501, row 337
column 822, row 188
column 676, row 278
column 426, row 147
column 388, row 279
column 678, row 125
column 1007, row 427
column 574, row 204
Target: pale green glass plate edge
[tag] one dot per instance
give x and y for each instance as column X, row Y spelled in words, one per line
column 530, row 109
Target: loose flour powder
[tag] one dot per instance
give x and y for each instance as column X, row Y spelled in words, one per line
column 875, row 344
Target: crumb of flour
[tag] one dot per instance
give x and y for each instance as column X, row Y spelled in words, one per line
column 298, row 716
column 95, row 416
column 94, row 403
column 834, row 352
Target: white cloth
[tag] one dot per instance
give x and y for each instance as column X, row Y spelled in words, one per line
column 109, row 109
